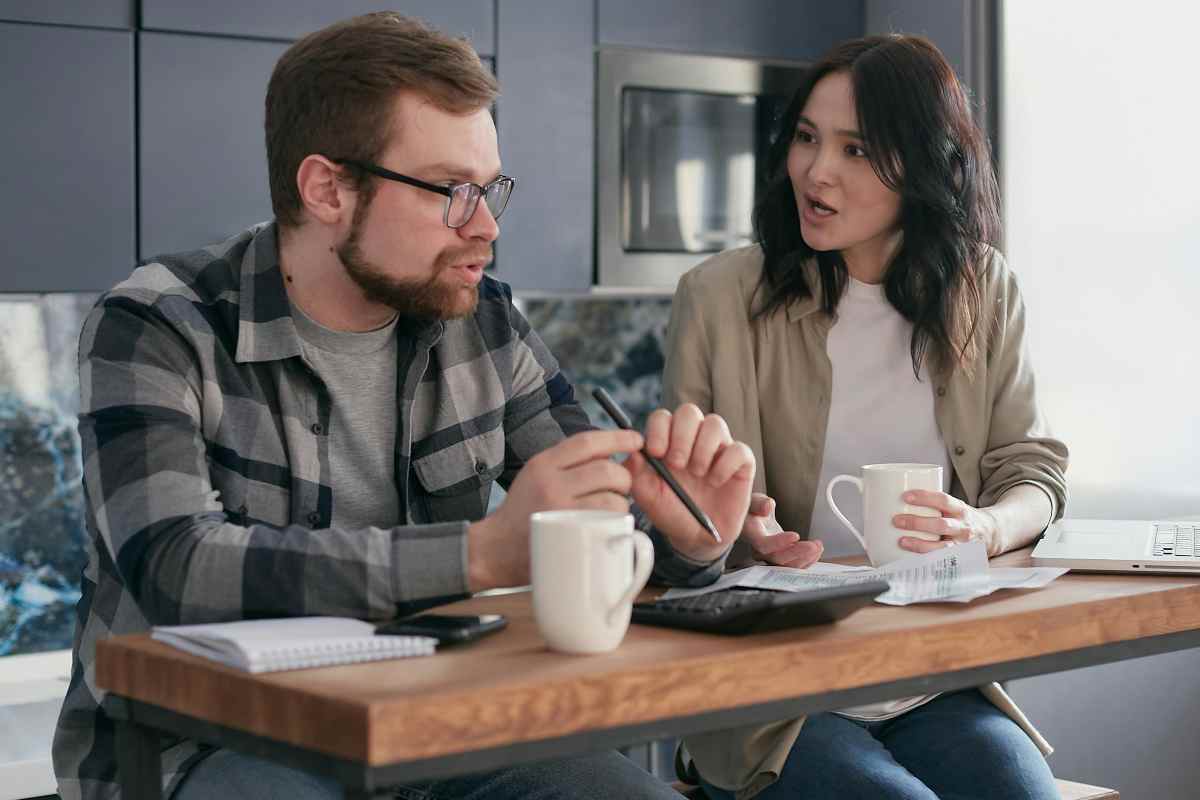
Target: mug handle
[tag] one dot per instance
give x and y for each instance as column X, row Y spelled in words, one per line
column 643, row 562
column 838, row 512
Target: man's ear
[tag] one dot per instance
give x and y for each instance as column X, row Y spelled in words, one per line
column 323, row 195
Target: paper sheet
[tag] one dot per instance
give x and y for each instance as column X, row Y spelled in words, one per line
column 956, row 574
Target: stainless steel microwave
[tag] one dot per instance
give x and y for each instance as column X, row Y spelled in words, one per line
column 680, row 142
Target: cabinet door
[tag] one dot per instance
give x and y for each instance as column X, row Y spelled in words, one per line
column 291, row 19
column 67, row 204
column 544, row 116
column 203, row 164
column 88, row 13
column 788, row 29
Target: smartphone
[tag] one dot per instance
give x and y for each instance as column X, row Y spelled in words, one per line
column 443, row 627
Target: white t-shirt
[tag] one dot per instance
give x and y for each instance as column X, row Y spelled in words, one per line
column 879, row 412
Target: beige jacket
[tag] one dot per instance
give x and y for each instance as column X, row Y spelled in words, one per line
column 771, row 381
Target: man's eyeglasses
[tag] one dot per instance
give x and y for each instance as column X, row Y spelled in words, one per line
column 461, row 199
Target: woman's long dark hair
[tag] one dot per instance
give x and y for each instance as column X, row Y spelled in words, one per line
column 924, row 144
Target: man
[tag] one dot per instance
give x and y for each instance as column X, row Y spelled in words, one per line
column 308, row 418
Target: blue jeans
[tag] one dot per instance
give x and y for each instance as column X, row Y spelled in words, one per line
column 226, row 775
column 955, row 747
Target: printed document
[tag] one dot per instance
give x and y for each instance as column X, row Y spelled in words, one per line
column 955, row 574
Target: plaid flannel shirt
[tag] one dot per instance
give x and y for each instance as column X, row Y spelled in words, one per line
column 207, row 475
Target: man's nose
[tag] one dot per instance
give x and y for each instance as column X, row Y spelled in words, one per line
column 482, row 225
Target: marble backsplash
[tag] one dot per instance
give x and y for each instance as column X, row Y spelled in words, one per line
column 613, row 343
column 41, row 500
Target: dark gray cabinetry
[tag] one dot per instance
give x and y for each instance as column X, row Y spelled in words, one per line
column 89, row 13
column 545, row 66
column 291, row 19
column 967, row 33
column 203, row 163
column 67, row 197
column 944, row 23
column 787, row 29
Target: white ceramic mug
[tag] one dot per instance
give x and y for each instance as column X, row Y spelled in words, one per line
column 882, row 487
column 585, row 577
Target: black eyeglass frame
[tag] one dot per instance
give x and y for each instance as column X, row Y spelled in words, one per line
column 445, row 191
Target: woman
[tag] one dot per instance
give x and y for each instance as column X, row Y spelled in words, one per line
column 874, row 322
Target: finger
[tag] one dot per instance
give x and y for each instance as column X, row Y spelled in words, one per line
column 945, row 503
column 774, row 542
column 800, row 555
column 603, row 501
column 713, row 434
column 760, row 504
column 938, row 526
column 920, row 545
column 685, row 425
column 646, row 485
column 658, row 432
column 733, row 460
column 590, row 445
column 600, row 475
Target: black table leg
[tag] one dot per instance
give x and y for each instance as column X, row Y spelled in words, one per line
column 139, row 762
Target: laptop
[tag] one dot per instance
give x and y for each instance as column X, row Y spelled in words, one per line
column 1092, row 545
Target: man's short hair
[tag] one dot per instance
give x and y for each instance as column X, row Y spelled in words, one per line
column 333, row 92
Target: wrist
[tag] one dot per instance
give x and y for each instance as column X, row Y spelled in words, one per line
column 703, row 555
column 480, row 565
column 992, row 531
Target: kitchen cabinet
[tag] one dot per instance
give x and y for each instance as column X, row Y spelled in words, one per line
column 545, row 64
column 86, row 13
column 202, row 163
column 67, row 206
column 291, row 19
column 785, row 29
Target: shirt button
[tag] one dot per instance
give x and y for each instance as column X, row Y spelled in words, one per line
column 480, row 467
column 317, row 429
column 959, row 450
column 941, row 391
column 313, row 518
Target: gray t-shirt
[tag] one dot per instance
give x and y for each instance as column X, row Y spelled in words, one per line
column 359, row 370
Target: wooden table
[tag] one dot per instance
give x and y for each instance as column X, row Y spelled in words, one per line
column 508, row 699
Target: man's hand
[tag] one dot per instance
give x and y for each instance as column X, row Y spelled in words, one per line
column 575, row 473
column 771, row 543
column 714, row 470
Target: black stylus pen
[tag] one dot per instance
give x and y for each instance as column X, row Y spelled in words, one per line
column 618, row 416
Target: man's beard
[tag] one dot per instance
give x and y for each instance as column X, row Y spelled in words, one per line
column 429, row 298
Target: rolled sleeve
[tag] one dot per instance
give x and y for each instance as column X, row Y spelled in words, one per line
column 1021, row 448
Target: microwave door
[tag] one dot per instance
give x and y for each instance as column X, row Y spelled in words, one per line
column 688, row 170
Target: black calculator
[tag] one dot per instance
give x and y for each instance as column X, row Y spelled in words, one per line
column 739, row 611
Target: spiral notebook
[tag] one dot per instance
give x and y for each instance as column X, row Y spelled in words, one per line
column 269, row 645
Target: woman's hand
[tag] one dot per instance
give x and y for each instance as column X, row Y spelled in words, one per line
column 958, row 522
column 773, row 544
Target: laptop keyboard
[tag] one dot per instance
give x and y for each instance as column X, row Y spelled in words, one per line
column 1176, row 540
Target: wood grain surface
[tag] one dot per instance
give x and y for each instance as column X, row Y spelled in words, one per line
column 510, row 688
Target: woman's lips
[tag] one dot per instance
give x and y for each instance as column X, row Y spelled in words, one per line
column 816, row 212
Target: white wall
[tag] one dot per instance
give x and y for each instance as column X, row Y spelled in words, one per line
column 1102, row 200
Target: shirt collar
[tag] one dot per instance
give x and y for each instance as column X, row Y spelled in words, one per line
column 802, row 307
column 266, row 330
